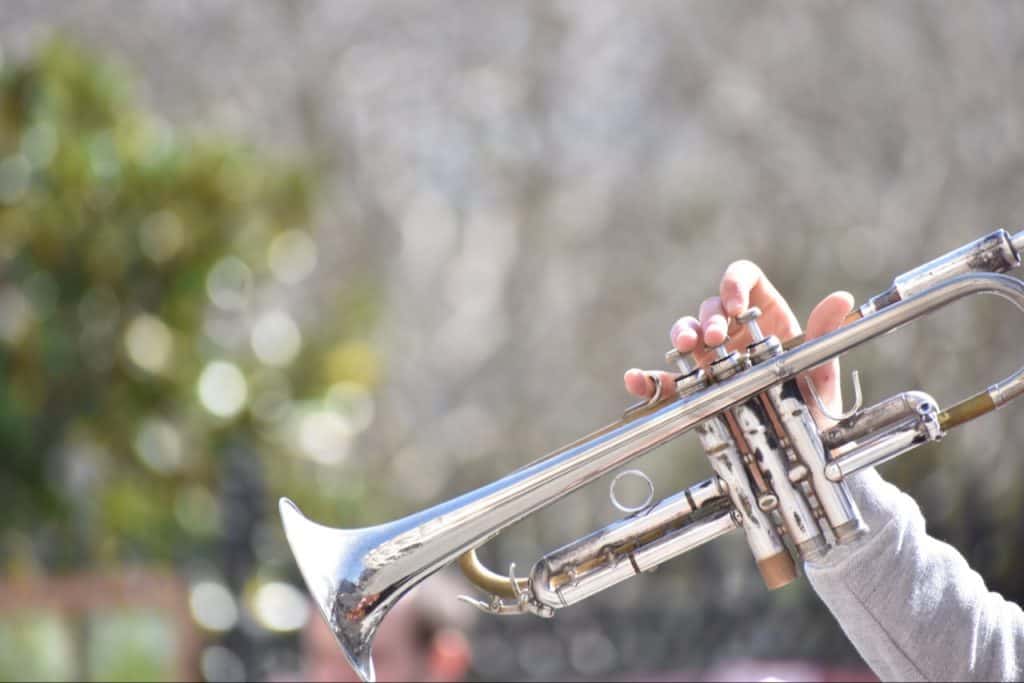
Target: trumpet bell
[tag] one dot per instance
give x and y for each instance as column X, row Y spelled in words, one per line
column 330, row 561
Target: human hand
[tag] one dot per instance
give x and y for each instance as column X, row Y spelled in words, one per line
column 744, row 285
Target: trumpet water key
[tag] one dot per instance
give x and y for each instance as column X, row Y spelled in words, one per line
column 775, row 476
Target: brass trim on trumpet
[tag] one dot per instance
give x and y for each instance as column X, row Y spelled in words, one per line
column 966, row 410
column 486, row 580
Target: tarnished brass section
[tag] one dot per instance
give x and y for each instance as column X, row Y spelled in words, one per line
column 967, row 410
column 623, row 550
column 773, row 417
column 755, row 470
column 485, row 579
column 777, row 570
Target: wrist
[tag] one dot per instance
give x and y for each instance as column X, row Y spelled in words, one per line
column 879, row 503
column 878, row 500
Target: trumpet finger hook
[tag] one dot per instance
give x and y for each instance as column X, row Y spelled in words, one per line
column 657, row 389
column 858, row 399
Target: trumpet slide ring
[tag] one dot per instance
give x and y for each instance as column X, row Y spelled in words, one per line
column 630, row 509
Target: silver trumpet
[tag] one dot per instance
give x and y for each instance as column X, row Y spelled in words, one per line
column 775, row 476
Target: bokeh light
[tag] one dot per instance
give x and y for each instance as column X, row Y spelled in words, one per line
column 222, row 388
column 159, row 445
column 292, row 256
column 212, row 606
column 276, row 339
column 325, row 436
column 15, row 315
column 161, row 236
column 229, row 284
column 149, row 343
column 280, row 606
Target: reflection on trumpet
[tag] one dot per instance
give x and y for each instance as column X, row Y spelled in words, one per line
column 774, row 475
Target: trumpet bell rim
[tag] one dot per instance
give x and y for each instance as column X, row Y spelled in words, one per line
column 322, row 555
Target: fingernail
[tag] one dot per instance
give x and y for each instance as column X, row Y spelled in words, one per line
column 715, row 334
column 627, row 379
column 733, row 305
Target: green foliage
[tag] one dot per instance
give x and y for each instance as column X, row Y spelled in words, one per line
column 35, row 647
column 130, row 646
column 133, row 255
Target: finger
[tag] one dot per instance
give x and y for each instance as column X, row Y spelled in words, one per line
column 641, row 382
column 685, row 334
column 737, row 282
column 744, row 284
column 827, row 316
column 714, row 326
column 636, row 382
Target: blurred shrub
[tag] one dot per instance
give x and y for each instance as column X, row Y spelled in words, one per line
column 35, row 647
column 151, row 283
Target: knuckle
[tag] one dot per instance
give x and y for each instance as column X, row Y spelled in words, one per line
column 731, row 286
column 683, row 324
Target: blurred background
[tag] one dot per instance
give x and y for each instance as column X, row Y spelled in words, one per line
column 372, row 255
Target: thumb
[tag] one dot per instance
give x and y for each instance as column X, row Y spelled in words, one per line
column 827, row 316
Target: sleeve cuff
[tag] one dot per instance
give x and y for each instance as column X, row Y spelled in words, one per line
column 879, row 502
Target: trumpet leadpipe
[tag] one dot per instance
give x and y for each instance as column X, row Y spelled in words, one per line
column 997, row 252
column 996, row 396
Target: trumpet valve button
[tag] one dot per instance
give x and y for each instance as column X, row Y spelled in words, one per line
column 749, row 315
column 749, row 318
column 727, row 364
column 684, row 362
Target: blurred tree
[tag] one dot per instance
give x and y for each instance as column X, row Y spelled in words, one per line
column 148, row 280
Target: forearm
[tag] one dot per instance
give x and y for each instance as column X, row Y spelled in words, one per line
column 910, row 604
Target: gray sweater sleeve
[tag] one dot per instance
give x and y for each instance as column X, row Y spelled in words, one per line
column 910, row 604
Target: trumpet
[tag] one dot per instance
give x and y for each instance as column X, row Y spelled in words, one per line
column 775, row 475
